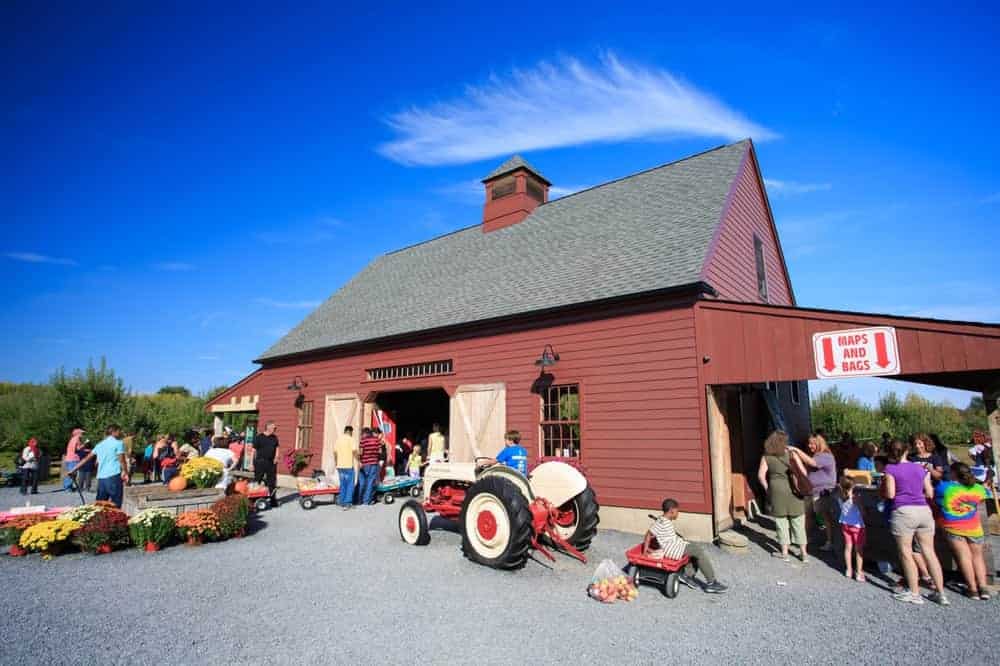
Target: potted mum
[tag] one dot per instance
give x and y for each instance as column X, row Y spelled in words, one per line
column 82, row 514
column 202, row 472
column 297, row 460
column 102, row 533
column 150, row 529
column 232, row 512
column 48, row 537
column 11, row 530
column 195, row 527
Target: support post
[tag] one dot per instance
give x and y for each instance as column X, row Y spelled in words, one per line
column 991, row 400
column 217, row 425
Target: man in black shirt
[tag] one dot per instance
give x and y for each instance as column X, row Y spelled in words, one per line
column 265, row 448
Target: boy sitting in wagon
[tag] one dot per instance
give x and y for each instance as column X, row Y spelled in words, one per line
column 662, row 541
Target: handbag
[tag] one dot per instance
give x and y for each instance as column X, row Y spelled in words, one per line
column 798, row 480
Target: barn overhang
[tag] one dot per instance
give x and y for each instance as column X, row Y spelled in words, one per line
column 742, row 343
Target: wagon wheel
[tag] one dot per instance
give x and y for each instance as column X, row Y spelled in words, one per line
column 496, row 524
column 261, row 504
column 415, row 491
column 413, row 524
column 671, row 585
column 307, row 503
column 388, row 498
column 577, row 519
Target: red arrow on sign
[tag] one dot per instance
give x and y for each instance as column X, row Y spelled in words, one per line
column 881, row 354
column 828, row 354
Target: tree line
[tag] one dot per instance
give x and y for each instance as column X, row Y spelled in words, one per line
column 837, row 413
column 91, row 398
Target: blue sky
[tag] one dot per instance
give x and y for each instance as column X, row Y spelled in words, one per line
column 179, row 186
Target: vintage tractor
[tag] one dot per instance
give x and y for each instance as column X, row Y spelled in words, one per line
column 502, row 514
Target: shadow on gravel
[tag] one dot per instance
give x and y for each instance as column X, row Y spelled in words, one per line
column 443, row 524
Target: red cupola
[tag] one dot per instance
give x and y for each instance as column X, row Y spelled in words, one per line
column 513, row 190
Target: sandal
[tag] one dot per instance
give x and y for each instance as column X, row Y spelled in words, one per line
column 984, row 596
column 780, row 556
column 860, row 577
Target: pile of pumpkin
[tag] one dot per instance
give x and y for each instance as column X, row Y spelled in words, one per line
column 101, row 528
column 197, row 473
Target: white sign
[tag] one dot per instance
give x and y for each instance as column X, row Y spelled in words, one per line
column 856, row 352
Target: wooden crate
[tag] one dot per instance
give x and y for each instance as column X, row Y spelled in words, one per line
column 138, row 498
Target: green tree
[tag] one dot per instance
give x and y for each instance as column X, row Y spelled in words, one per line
column 175, row 390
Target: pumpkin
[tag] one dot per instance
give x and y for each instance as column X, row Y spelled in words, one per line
column 242, row 486
column 177, row 483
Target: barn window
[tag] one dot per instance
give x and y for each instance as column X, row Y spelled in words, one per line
column 428, row 369
column 561, row 421
column 795, row 393
column 303, row 429
column 758, row 253
column 502, row 188
column 535, row 190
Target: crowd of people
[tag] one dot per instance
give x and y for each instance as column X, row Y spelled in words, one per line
column 924, row 492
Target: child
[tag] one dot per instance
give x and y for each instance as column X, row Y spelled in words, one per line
column 852, row 527
column 415, row 463
column 147, row 462
column 513, row 454
column 662, row 541
column 866, row 462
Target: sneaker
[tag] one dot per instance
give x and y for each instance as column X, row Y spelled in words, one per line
column 715, row 587
column 827, row 547
column 346, row 507
column 908, row 597
column 984, row 596
column 684, row 580
column 939, row 598
column 783, row 558
column 860, row 577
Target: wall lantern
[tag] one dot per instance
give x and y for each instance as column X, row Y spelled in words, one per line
column 548, row 358
column 297, row 384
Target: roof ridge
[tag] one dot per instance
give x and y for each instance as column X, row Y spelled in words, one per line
column 645, row 171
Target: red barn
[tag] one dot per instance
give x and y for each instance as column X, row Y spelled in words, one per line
column 646, row 327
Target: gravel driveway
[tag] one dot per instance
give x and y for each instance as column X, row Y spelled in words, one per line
column 327, row 586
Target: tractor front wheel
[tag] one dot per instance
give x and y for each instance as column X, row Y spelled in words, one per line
column 577, row 519
column 413, row 527
column 496, row 524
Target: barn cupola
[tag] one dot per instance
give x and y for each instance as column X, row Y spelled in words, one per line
column 513, row 190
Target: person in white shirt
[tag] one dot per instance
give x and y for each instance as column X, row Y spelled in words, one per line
column 663, row 541
column 220, row 451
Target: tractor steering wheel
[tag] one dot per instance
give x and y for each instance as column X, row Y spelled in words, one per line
column 482, row 466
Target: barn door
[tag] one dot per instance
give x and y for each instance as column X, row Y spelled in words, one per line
column 478, row 421
column 340, row 411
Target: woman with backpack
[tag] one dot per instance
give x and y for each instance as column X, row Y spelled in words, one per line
column 777, row 474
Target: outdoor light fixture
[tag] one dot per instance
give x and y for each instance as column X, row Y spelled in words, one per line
column 548, row 358
column 297, row 384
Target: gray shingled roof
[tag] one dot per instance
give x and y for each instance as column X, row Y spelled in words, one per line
column 642, row 233
column 515, row 162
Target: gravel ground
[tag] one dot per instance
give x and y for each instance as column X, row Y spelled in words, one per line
column 333, row 586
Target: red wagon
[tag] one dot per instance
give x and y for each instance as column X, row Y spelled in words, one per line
column 307, row 496
column 663, row 573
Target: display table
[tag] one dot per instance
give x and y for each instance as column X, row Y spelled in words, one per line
column 158, row 496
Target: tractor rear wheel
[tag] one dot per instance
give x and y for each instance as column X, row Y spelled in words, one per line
column 496, row 524
column 577, row 522
column 413, row 527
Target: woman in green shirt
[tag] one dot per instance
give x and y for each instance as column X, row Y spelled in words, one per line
column 787, row 510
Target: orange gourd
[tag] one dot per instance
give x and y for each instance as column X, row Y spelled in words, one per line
column 177, row 483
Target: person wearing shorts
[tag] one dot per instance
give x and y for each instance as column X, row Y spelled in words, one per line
column 908, row 486
column 959, row 498
column 852, row 528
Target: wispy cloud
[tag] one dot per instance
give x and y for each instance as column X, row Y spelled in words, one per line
column 314, row 231
column 564, row 103
column 34, row 258
column 790, row 187
column 173, row 266
column 472, row 191
column 286, row 305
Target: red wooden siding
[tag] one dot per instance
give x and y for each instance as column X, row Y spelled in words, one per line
column 751, row 343
column 249, row 385
column 641, row 431
column 730, row 266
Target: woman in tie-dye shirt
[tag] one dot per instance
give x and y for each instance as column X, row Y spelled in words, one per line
column 959, row 499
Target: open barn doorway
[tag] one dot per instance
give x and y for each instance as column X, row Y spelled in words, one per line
column 411, row 414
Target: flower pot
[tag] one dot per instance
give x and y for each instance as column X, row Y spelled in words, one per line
column 193, row 541
column 151, row 547
column 103, row 549
column 17, row 551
